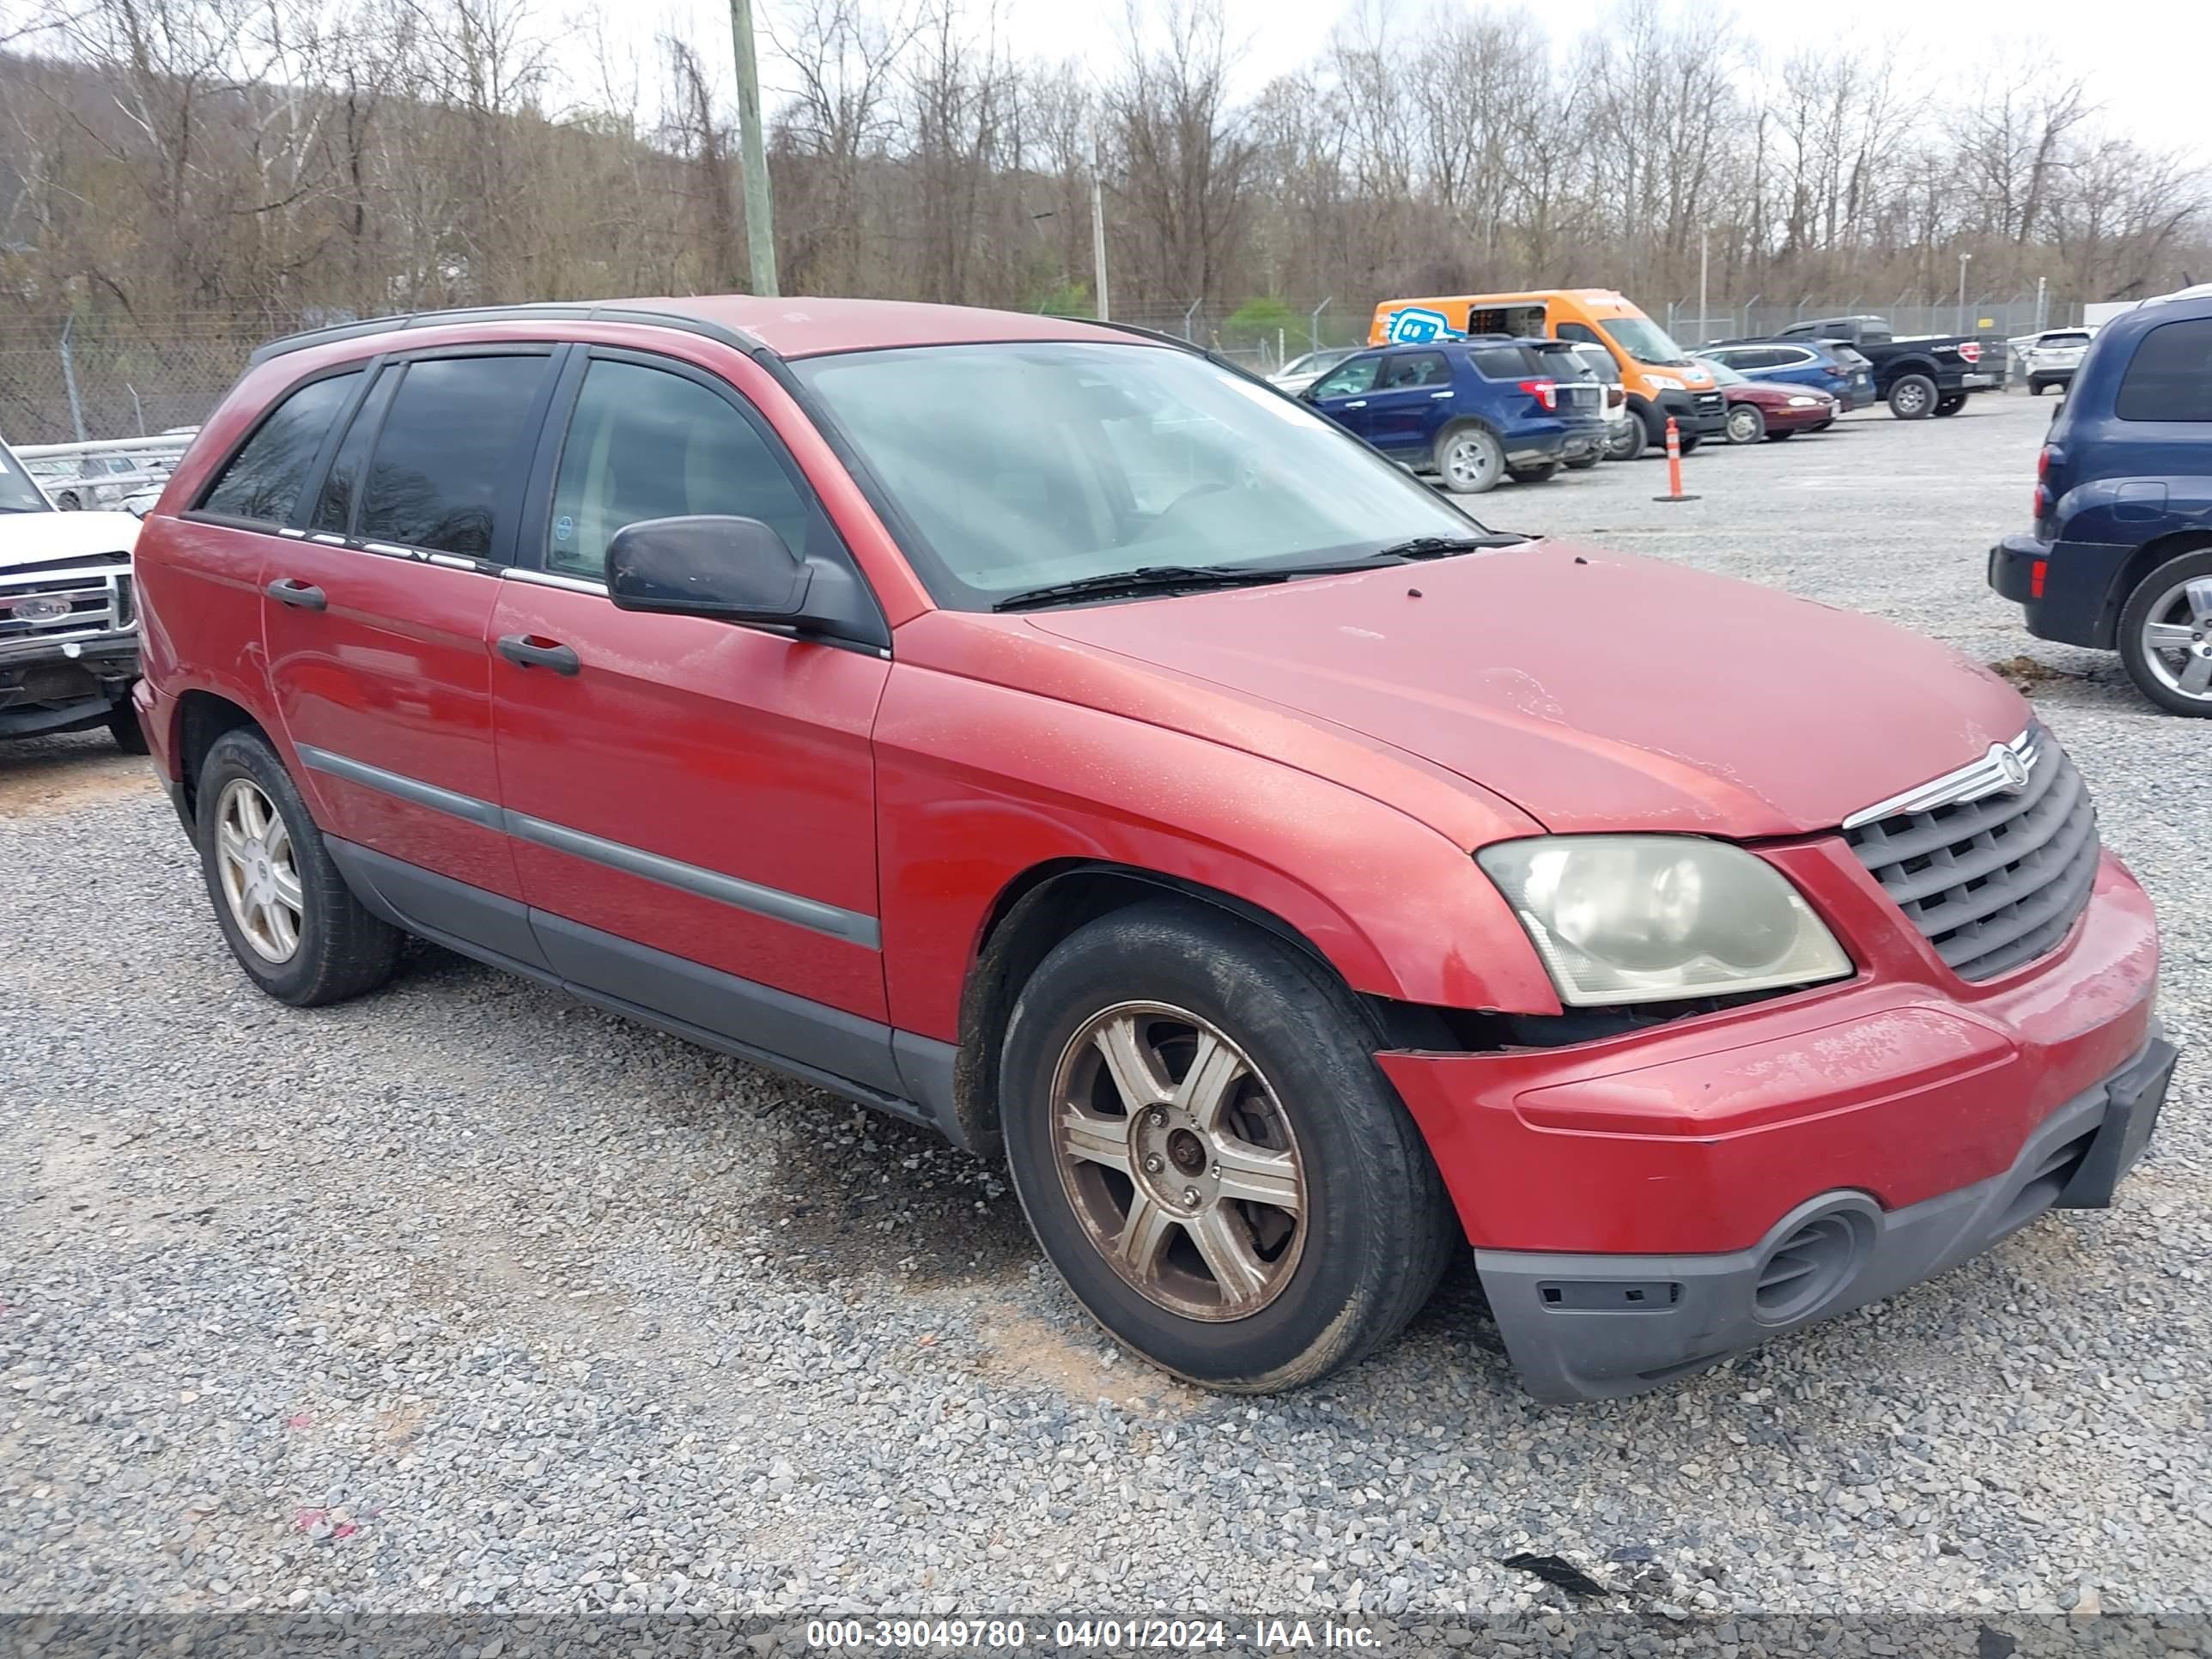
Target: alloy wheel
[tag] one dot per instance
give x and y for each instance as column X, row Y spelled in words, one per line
column 1467, row 461
column 1179, row 1161
column 260, row 878
column 1743, row 424
column 2176, row 638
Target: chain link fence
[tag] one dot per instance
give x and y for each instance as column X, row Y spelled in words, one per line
column 69, row 380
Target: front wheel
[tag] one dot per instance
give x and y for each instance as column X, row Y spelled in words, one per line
column 1950, row 402
column 284, row 909
column 1199, row 1134
column 1913, row 397
column 1470, row 460
column 1625, row 441
column 1542, row 472
column 2165, row 634
column 1689, row 436
column 1746, row 424
column 123, row 726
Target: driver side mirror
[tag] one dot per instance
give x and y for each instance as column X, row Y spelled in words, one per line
column 740, row 570
column 708, row 565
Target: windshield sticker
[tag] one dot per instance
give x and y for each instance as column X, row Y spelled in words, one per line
column 1419, row 326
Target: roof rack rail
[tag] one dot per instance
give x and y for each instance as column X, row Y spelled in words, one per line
column 587, row 311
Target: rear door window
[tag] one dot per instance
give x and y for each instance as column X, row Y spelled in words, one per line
column 263, row 482
column 1417, row 368
column 2169, row 376
column 447, row 474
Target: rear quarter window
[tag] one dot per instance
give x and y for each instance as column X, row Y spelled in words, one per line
column 262, row 482
column 2169, row 376
column 1501, row 362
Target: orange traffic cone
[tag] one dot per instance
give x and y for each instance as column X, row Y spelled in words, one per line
column 1673, row 466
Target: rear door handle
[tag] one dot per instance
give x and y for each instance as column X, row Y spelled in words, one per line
column 527, row 651
column 301, row 596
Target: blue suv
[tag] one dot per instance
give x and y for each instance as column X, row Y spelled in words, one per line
column 1473, row 411
column 1827, row 366
column 2121, row 555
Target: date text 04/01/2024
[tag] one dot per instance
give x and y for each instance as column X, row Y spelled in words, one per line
column 1091, row 1635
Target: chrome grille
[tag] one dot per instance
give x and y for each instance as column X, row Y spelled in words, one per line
column 99, row 597
column 1997, row 880
column 1711, row 403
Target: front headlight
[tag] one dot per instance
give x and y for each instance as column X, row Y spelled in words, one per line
column 1805, row 403
column 1651, row 918
column 1667, row 381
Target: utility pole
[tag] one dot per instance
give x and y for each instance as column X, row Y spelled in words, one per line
column 760, row 212
column 2041, row 302
column 1963, row 259
column 1098, row 230
column 1705, row 240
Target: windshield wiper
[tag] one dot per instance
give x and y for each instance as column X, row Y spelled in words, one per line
column 1438, row 547
column 1146, row 579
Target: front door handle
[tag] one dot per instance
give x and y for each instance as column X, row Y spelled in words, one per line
column 301, row 596
column 528, row 651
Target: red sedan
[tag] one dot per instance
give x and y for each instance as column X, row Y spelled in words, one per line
column 1761, row 409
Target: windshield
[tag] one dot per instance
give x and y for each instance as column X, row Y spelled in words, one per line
column 1721, row 373
column 1317, row 362
column 1645, row 340
column 17, row 493
column 1019, row 466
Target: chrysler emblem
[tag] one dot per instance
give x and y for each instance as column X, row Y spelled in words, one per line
column 2010, row 763
column 41, row 608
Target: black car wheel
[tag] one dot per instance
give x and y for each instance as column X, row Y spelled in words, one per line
column 1913, row 397
column 1625, row 441
column 123, row 726
column 1951, row 403
column 1199, row 1134
column 1584, row 463
column 1542, row 472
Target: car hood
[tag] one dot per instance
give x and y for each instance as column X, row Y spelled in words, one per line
column 1595, row 690
column 38, row 537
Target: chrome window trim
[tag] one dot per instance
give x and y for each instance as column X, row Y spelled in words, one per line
column 555, row 579
column 1977, row 780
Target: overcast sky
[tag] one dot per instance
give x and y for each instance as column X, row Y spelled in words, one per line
column 2147, row 59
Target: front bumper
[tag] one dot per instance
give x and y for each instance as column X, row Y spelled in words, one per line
column 46, row 690
column 1913, row 1099
column 1598, row 1327
column 1693, row 411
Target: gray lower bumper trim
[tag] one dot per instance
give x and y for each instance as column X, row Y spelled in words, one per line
column 1599, row 1327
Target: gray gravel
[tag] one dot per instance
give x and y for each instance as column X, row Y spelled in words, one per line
column 468, row 1296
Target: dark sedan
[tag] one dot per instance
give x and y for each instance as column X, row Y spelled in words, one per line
column 1758, row 411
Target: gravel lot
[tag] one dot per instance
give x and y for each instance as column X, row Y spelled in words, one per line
column 468, row 1296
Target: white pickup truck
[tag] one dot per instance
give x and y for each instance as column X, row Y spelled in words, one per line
column 68, row 627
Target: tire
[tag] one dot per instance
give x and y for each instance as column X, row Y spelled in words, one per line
column 1469, row 459
column 2035, row 388
column 1777, row 437
column 67, row 501
column 2163, row 598
column 1913, row 398
column 1690, row 437
column 1584, row 463
column 1625, row 441
column 1373, row 1228
column 1950, row 402
column 123, row 726
column 1746, row 424
column 1542, row 472
column 337, row 949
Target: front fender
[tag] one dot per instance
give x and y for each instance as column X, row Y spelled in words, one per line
column 978, row 783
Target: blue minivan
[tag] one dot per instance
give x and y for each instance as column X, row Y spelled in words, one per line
column 1473, row 411
column 2121, row 555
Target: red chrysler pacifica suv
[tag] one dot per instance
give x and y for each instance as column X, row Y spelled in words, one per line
column 1050, row 735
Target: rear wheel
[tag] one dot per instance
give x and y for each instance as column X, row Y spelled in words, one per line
column 2165, row 634
column 285, row 911
column 1746, row 424
column 1625, row 441
column 1198, row 1133
column 1913, row 397
column 1542, row 472
column 1470, row 460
